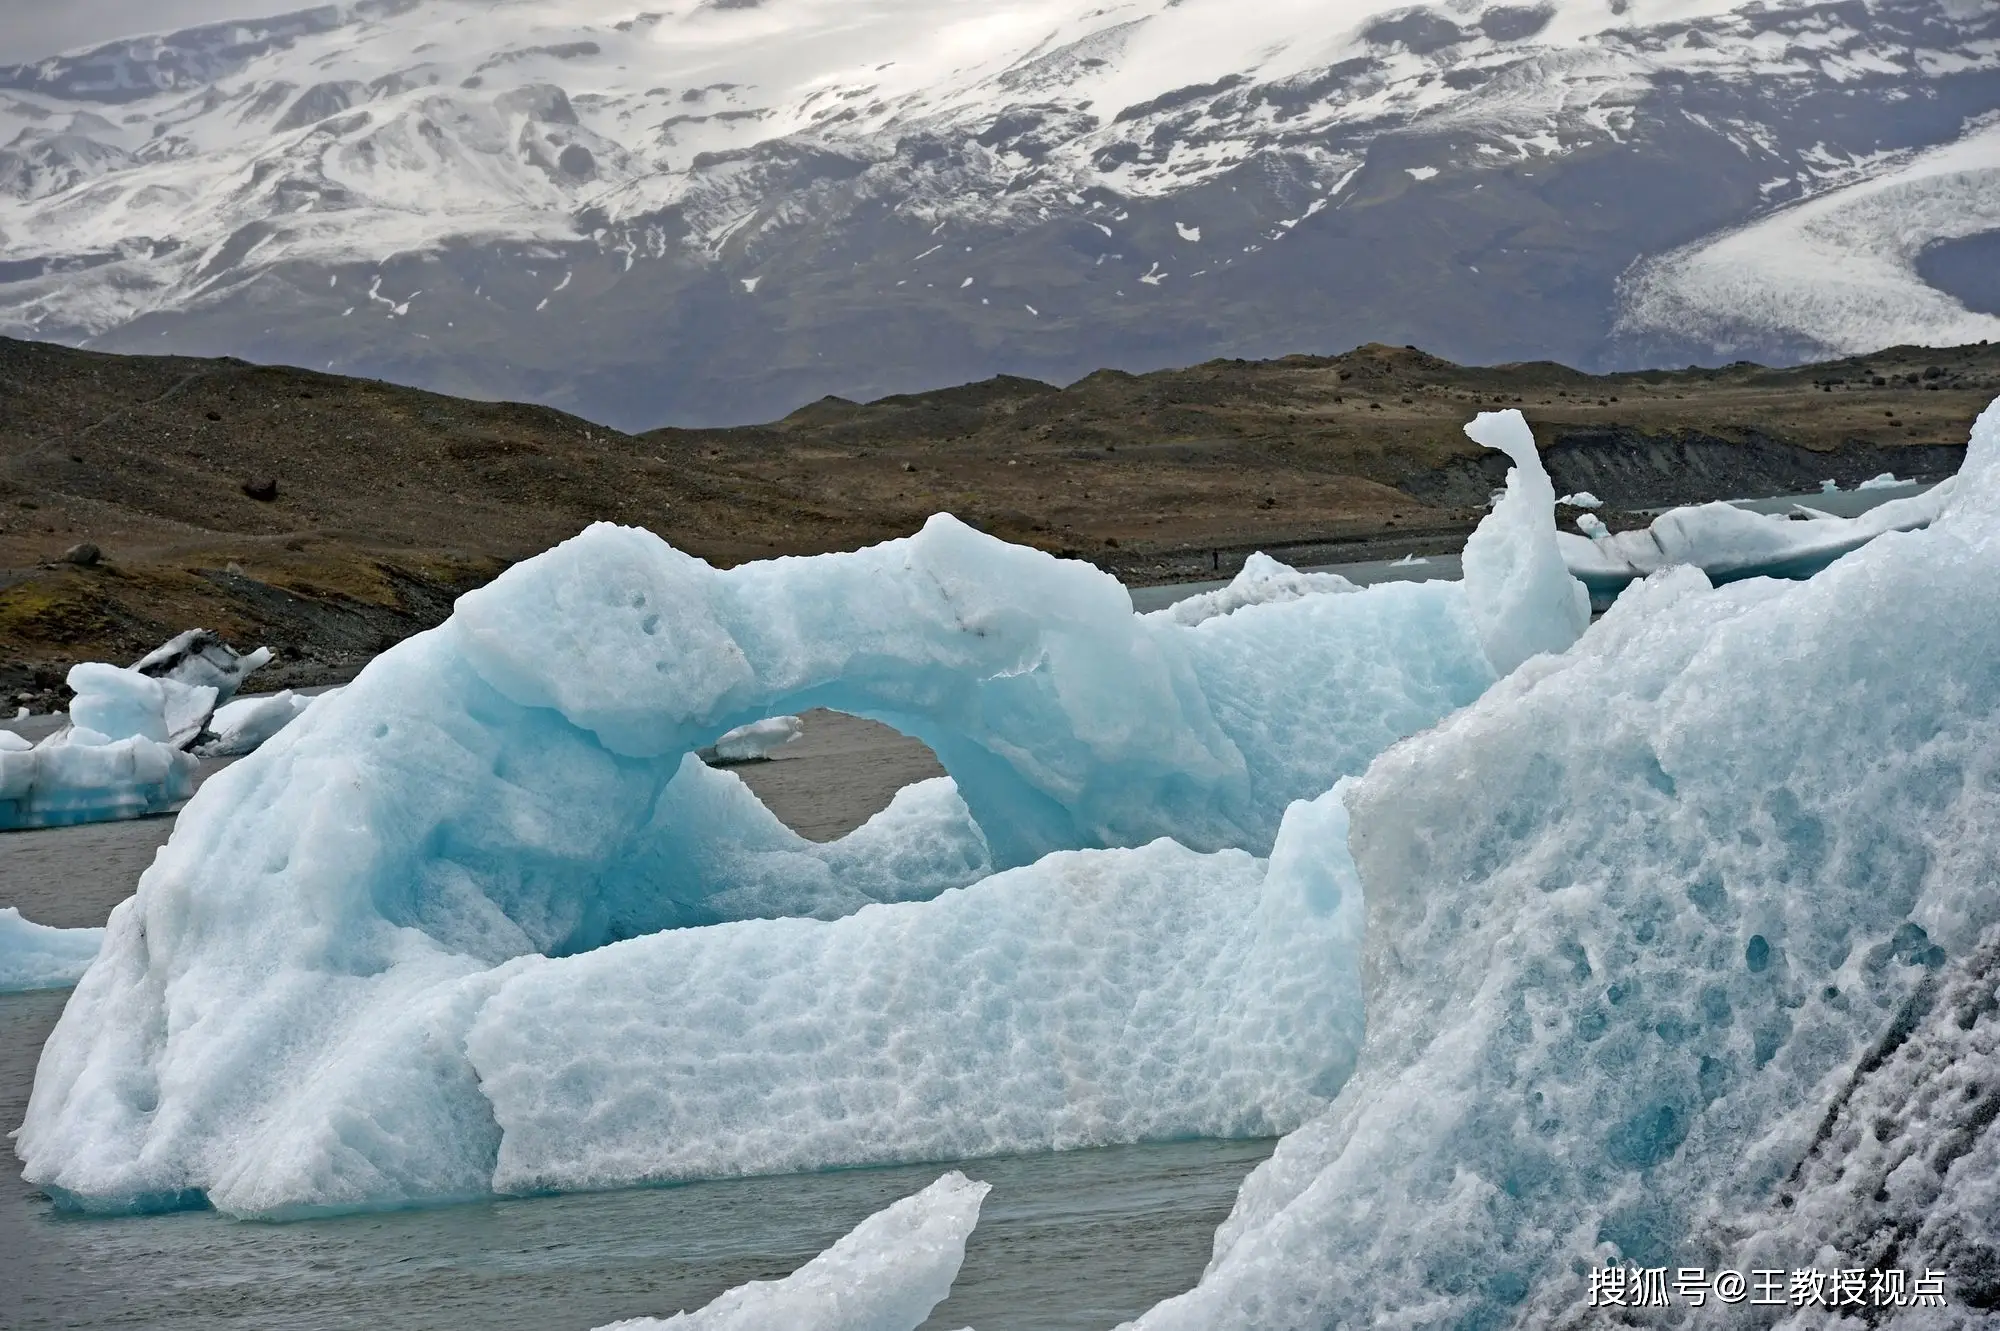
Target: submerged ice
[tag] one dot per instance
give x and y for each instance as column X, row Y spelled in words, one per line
column 484, row 922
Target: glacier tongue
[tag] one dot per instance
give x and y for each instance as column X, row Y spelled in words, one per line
column 406, row 951
column 885, row 1275
column 1645, row 924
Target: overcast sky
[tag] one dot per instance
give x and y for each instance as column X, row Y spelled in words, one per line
column 32, row 28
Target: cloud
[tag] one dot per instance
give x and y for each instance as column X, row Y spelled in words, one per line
column 30, row 29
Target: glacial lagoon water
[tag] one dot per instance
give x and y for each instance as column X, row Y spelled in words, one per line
column 1083, row 1239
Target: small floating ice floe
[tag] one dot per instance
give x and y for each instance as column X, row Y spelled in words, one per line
column 39, row 956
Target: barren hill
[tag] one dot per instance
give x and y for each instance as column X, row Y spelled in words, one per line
column 389, row 501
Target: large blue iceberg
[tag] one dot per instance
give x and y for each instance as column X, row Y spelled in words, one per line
column 483, row 922
column 1682, row 949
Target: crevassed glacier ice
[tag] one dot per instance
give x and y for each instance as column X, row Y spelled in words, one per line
column 1641, row 923
column 281, row 1015
column 885, row 1275
column 39, row 956
column 1728, row 543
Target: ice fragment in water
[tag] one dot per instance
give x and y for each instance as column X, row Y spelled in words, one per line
column 885, row 1275
column 36, row 956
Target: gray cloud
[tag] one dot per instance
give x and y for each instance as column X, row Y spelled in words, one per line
column 30, row 29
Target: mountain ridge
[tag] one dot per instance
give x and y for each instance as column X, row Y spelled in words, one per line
column 331, row 516
column 712, row 215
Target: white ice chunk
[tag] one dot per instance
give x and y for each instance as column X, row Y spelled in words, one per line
column 1261, row 581
column 1728, row 543
column 759, row 739
column 242, row 725
column 1886, row 481
column 1635, row 919
column 81, row 776
column 125, row 704
column 1829, row 487
column 37, row 956
column 885, row 1275
column 1581, row 499
column 201, row 658
column 1522, row 597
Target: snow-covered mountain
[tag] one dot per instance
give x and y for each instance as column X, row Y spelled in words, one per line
column 718, row 210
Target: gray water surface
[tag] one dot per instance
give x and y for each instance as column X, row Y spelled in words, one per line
column 1081, row 1239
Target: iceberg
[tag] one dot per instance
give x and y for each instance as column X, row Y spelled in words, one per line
column 1261, row 581
column 484, row 922
column 78, row 775
column 199, row 658
column 37, row 956
column 758, row 740
column 1671, row 943
column 1729, row 543
column 1522, row 598
column 1095, row 997
column 124, row 752
column 885, row 1275
column 1886, row 481
column 1581, row 499
column 240, row 726
column 124, row 704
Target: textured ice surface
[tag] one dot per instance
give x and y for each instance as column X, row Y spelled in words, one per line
column 36, row 956
column 759, row 739
column 1581, row 499
column 412, row 947
column 1904, row 1169
column 1095, row 997
column 1728, row 543
column 1886, row 481
column 885, row 1275
column 1654, row 930
column 78, row 776
column 1261, row 581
